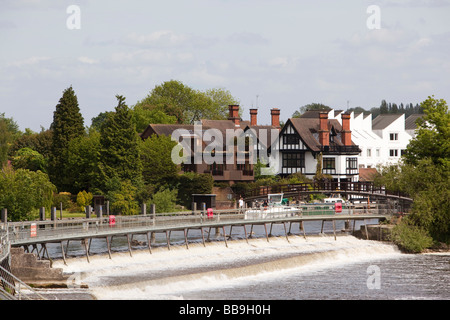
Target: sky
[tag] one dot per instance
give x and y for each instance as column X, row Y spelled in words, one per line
column 269, row 54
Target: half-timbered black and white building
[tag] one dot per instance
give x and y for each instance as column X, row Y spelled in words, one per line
column 302, row 140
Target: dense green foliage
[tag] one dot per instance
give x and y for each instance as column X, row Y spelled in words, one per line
column 425, row 173
column 119, row 147
column 67, row 124
column 108, row 158
column 23, row 191
column 193, row 183
column 186, row 104
column 158, row 168
column 164, row 200
column 411, row 238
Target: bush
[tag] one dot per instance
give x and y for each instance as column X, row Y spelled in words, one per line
column 123, row 199
column 164, row 200
column 23, row 191
column 193, row 183
column 64, row 198
column 84, row 199
column 411, row 238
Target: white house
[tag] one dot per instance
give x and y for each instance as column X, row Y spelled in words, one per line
column 302, row 139
column 382, row 140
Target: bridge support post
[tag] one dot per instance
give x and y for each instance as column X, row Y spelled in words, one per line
column 203, row 237
column 245, row 232
column 63, row 254
column 285, row 232
column 168, row 239
column 267, row 235
column 334, row 229
column 303, row 229
column 185, row 237
column 129, row 244
column 149, row 241
column 108, row 245
column 86, row 249
column 225, row 236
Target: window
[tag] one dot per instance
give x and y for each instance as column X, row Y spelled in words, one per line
column 216, row 169
column 329, row 165
column 352, row 165
column 290, row 139
column 393, row 153
column 393, row 136
column 378, row 152
column 369, row 153
column 293, row 160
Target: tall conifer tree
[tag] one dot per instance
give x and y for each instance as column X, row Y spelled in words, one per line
column 67, row 124
column 119, row 148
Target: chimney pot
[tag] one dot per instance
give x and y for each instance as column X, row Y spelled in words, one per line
column 346, row 133
column 253, row 115
column 234, row 114
column 275, row 113
column 324, row 133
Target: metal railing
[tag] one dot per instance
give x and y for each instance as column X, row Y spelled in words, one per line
column 59, row 230
column 11, row 287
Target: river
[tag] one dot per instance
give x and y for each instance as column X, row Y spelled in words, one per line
column 316, row 268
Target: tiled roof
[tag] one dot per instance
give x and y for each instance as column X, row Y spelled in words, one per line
column 410, row 122
column 384, row 120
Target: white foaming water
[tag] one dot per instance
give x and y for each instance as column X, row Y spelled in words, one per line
column 172, row 274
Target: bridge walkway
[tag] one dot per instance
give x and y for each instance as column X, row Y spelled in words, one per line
column 59, row 231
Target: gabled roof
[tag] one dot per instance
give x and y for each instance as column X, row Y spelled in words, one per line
column 260, row 130
column 410, row 122
column 167, row 129
column 384, row 120
column 308, row 129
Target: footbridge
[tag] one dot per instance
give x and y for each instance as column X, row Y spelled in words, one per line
column 35, row 235
column 349, row 190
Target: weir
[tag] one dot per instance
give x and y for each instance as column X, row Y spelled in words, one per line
column 32, row 234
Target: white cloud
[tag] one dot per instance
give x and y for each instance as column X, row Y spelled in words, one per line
column 28, row 61
column 161, row 38
column 87, row 60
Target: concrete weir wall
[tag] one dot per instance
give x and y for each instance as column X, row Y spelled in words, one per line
column 29, row 269
column 375, row 232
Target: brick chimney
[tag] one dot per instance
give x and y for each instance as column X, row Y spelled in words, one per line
column 253, row 114
column 346, row 135
column 324, row 133
column 234, row 115
column 275, row 113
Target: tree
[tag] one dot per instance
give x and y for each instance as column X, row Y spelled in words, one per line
column 433, row 134
column 5, row 141
column 158, row 167
column 143, row 115
column 23, row 191
column 193, row 183
column 82, row 162
column 188, row 105
column 27, row 158
column 309, row 107
column 164, row 200
column 424, row 173
column 67, row 124
column 122, row 195
column 40, row 142
column 9, row 132
column 119, row 147
column 84, row 199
